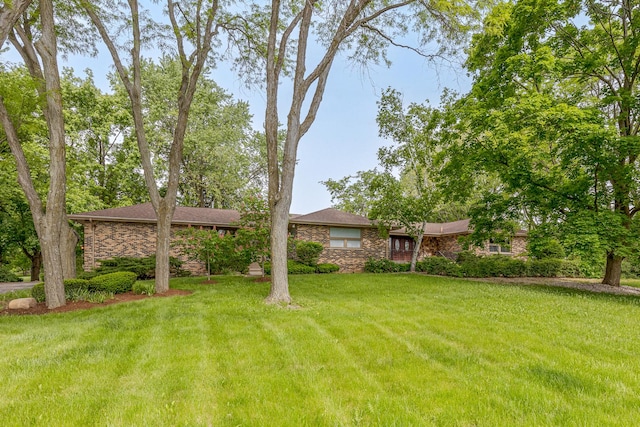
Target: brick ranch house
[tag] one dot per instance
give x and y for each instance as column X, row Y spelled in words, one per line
column 348, row 239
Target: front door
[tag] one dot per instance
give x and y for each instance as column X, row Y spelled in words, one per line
column 401, row 248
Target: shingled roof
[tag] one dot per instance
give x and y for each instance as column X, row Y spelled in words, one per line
column 331, row 216
column 439, row 229
column 435, row 229
column 145, row 213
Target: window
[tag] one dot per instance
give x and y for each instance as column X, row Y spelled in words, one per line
column 502, row 248
column 345, row 237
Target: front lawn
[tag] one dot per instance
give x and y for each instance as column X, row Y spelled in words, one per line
column 360, row 350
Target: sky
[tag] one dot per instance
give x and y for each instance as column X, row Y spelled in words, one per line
column 344, row 137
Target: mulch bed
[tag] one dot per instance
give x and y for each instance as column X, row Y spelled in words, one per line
column 41, row 308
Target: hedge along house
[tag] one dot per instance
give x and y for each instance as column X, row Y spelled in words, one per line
column 348, row 239
column 443, row 239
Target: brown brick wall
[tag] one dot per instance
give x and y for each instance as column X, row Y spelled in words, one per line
column 349, row 260
column 447, row 245
column 104, row 240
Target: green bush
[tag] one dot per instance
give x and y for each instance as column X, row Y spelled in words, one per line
column 327, row 268
column 144, row 288
column 439, row 266
column 493, row 266
column 73, row 284
column 384, row 265
column 549, row 267
column 38, row 292
column 293, row 267
column 7, row 276
column 145, row 268
column 118, row 282
column 545, row 247
column 308, row 252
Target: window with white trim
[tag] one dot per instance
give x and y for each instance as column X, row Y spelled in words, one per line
column 499, row 248
column 350, row 238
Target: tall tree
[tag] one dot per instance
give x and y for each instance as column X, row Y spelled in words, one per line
column 216, row 167
column 103, row 160
column 38, row 47
column 193, row 25
column 365, row 28
column 554, row 111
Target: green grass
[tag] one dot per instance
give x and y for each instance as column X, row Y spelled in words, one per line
column 361, row 350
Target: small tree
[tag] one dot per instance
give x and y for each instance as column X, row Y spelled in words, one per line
column 199, row 245
column 254, row 234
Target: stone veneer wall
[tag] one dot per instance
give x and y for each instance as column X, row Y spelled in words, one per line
column 105, row 240
column 349, row 260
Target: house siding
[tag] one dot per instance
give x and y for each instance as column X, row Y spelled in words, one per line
column 349, row 260
column 106, row 240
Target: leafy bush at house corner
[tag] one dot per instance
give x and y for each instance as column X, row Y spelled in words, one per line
column 37, row 292
column 327, row 268
column 545, row 247
column 308, row 252
column 384, row 265
column 118, row 283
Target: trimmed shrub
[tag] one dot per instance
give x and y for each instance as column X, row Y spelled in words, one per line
column 144, row 288
column 71, row 285
column 145, row 268
column 440, row 266
column 327, row 268
column 295, row 267
column 384, row 265
column 118, row 283
column 38, row 292
column 493, row 266
column 308, row 252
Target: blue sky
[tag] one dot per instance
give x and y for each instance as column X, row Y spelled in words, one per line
column 344, row 138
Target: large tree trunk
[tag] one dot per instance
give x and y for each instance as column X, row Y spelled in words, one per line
column 36, row 265
column 613, row 270
column 163, row 245
column 416, row 248
column 52, row 261
column 279, row 292
column 68, row 242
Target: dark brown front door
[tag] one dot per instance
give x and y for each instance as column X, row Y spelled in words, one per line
column 401, row 248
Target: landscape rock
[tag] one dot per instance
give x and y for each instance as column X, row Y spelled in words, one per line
column 255, row 269
column 22, row 303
